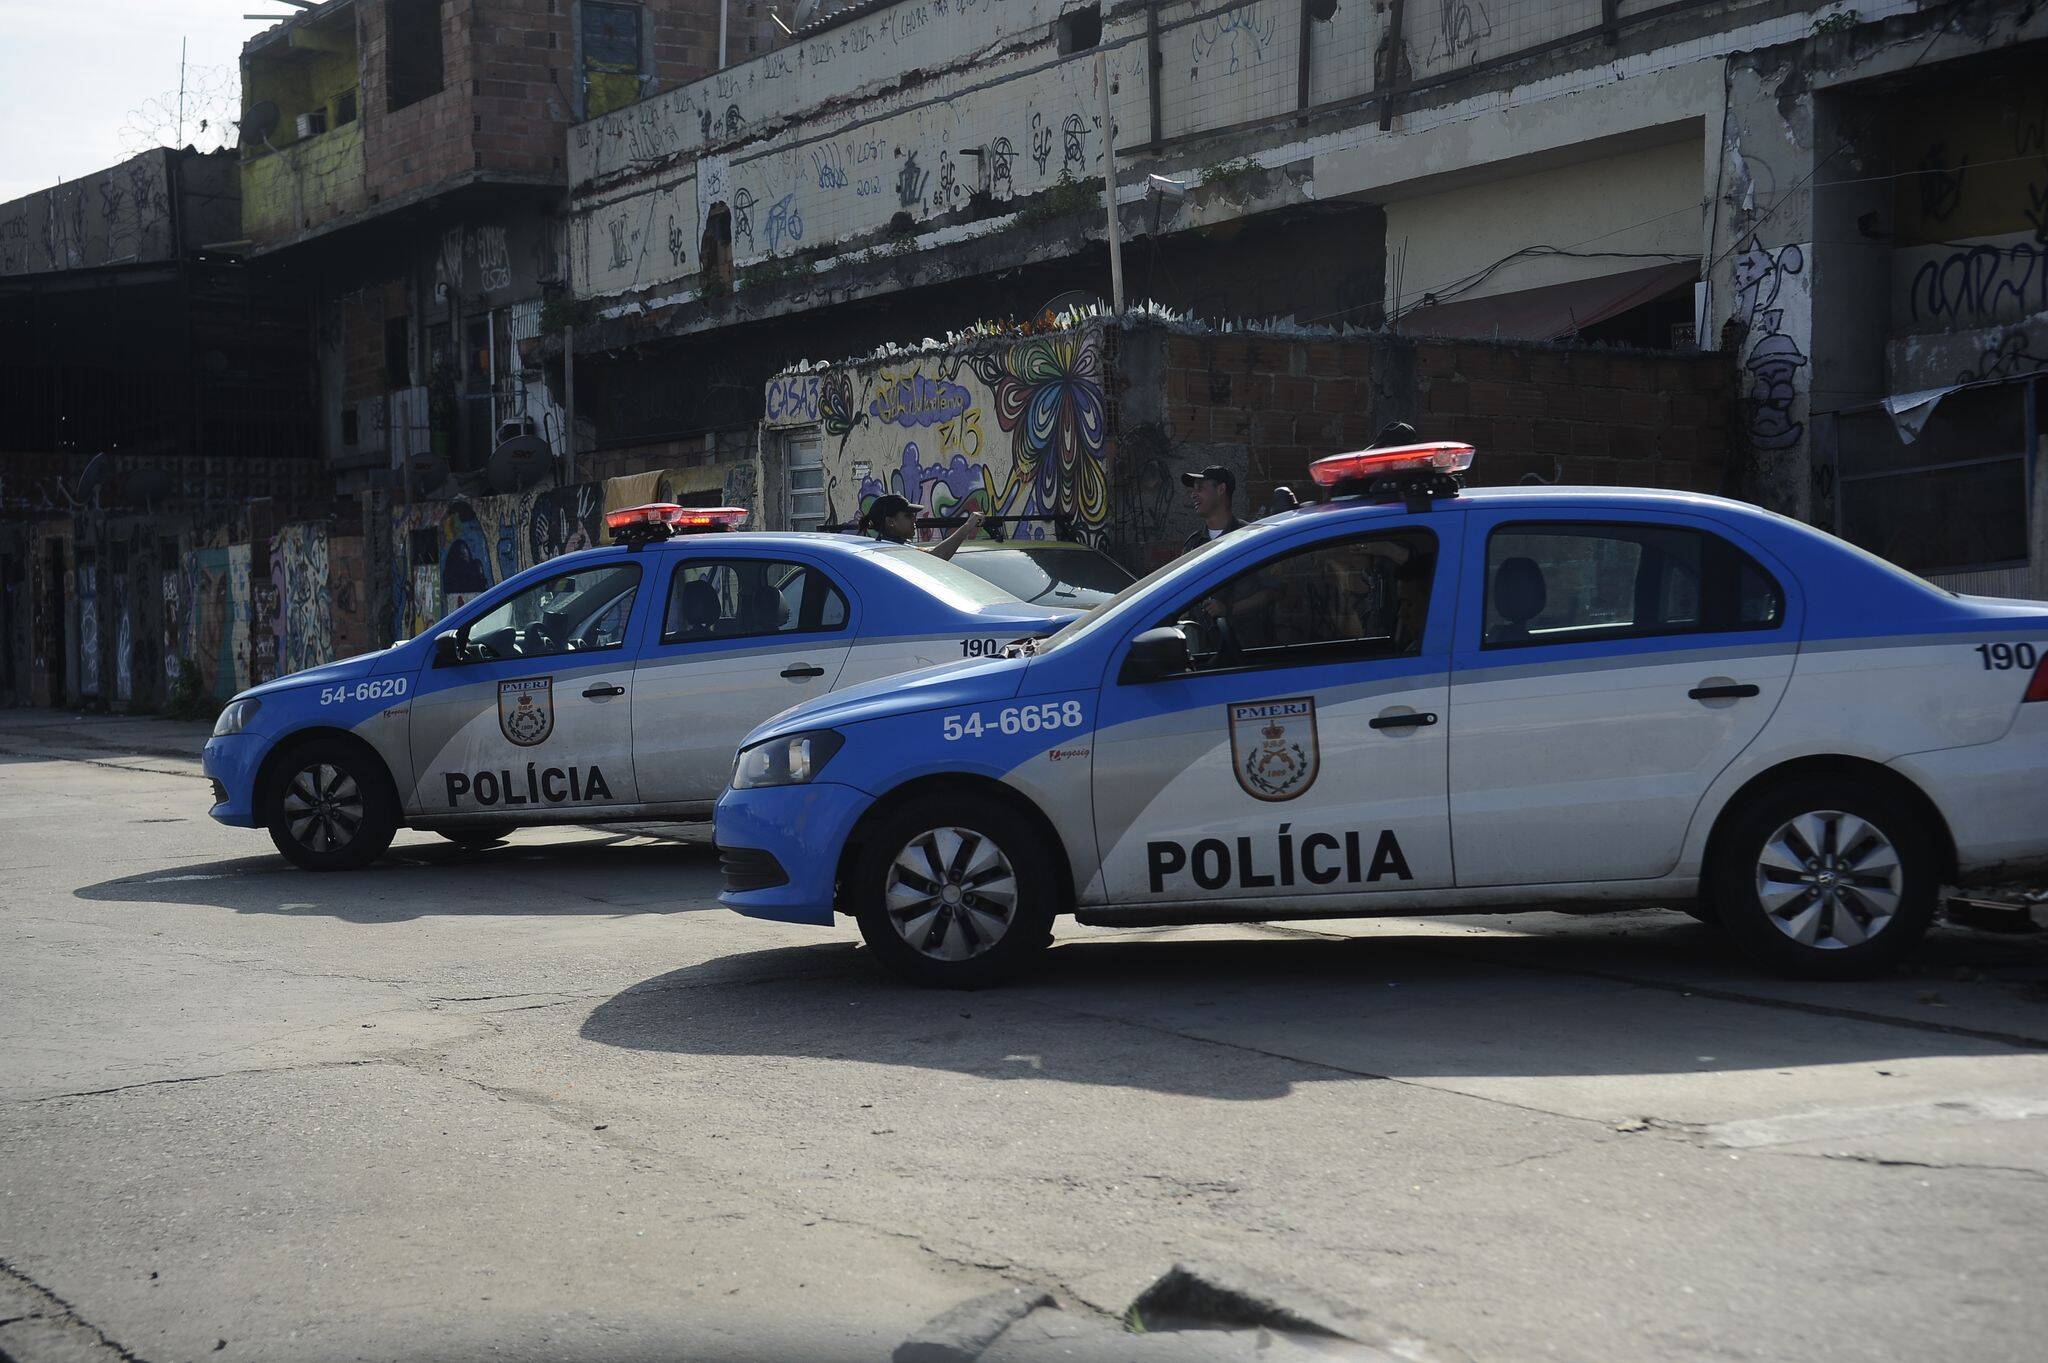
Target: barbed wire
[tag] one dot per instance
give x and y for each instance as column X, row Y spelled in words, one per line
column 212, row 106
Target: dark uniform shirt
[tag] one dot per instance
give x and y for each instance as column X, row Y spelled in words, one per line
column 1201, row 535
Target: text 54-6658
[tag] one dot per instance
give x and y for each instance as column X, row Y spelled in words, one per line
column 1014, row 719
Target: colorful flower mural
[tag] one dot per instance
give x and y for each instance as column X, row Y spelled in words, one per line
column 1048, row 395
column 924, row 426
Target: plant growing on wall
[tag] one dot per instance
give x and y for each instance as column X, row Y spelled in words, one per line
column 1066, row 197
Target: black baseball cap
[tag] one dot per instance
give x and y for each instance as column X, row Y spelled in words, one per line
column 887, row 505
column 1215, row 473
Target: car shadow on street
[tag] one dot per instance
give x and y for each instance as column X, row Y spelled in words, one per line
column 1251, row 1018
column 614, row 875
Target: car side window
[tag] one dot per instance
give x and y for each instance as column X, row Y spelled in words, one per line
column 1559, row 583
column 739, row 598
column 577, row 612
column 1361, row 597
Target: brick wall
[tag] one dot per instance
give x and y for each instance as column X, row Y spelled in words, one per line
column 426, row 142
column 1266, row 406
column 509, row 88
column 1580, row 416
column 1563, row 415
column 362, row 339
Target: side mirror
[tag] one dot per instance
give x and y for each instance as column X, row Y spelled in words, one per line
column 447, row 648
column 1156, row 653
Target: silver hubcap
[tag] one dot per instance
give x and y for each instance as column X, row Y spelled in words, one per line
column 323, row 807
column 1829, row 879
column 951, row 894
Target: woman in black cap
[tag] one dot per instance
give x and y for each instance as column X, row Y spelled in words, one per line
column 893, row 519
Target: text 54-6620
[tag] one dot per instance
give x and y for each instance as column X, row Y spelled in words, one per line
column 1014, row 719
column 384, row 688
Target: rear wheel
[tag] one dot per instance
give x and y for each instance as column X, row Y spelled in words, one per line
column 1826, row 878
column 477, row 835
column 954, row 891
column 330, row 807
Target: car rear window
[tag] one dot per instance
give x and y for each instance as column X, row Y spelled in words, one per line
column 1559, row 583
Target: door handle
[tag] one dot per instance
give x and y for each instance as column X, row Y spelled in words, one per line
column 1415, row 721
column 603, row 689
column 801, row 671
column 1734, row 692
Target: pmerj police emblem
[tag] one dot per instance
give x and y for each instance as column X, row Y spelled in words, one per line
column 1273, row 747
column 526, row 709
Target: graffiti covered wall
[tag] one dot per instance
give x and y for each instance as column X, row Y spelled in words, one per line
column 454, row 550
column 299, row 572
column 1016, row 426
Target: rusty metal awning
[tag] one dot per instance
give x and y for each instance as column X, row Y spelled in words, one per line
column 1552, row 312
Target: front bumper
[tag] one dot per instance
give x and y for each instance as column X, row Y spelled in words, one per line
column 232, row 763
column 803, row 829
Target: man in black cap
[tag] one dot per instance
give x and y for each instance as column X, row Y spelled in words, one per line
column 1246, row 604
column 893, row 518
column 1210, row 491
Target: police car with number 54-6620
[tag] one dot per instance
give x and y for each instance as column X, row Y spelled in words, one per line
column 603, row 685
column 1414, row 698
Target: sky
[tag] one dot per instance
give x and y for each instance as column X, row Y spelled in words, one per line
column 85, row 84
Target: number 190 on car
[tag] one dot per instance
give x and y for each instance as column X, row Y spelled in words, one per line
column 1014, row 719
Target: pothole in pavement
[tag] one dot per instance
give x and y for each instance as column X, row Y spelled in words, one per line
column 1197, row 1311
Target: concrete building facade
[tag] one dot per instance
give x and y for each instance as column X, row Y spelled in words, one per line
column 1740, row 177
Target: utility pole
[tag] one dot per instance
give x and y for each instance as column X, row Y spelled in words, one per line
column 1116, row 239
column 180, row 139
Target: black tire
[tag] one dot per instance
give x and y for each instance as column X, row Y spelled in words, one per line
column 970, row 943
column 360, row 808
column 1860, row 889
column 477, row 835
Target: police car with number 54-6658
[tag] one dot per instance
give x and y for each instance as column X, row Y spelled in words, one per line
column 1413, row 698
column 608, row 684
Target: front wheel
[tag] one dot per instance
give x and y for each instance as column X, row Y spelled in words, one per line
column 956, row 892
column 1826, row 878
column 330, row 808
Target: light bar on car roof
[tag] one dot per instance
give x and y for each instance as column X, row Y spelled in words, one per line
column 1444, row 457
column 637, row 525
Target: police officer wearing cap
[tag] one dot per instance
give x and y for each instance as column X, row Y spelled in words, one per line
column 893, row 519
column 1210, row 491
column 1247, row 605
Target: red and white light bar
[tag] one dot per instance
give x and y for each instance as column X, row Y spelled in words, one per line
column 677, row 519
column 1435, row 457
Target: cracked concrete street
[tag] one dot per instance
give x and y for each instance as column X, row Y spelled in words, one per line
column 550, row 1101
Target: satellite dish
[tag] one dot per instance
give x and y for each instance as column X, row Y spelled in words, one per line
column 519, row 463
column 93, row 479
column 1072, row 298
column 260, row 122
column 427, row 471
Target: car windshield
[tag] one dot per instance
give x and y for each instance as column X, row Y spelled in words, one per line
column 943, row 578
column 1049, row 574
column 1110, row 609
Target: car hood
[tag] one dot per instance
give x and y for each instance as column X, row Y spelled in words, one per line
column 342, row 669
column 975, row 681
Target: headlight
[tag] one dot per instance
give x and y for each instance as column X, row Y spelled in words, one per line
column 236, row 717
column 789, row 761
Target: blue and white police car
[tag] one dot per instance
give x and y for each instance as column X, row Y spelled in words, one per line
column 1413, row 698
column 603, row 685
